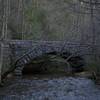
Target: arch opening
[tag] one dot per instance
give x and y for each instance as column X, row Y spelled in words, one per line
column 52, row 63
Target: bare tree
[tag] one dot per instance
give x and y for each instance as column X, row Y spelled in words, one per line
column 1, row 40
column 5, row 15
column 23, row 21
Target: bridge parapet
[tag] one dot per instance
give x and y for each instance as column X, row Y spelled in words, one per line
column 21, row 47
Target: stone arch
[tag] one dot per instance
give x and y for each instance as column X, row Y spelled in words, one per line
column 37, row 49
column 30, row 55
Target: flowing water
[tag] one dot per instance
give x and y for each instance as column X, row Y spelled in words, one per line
column 49, row 88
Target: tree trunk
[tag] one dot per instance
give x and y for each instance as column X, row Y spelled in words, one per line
column 1, row 59
column 4, row 32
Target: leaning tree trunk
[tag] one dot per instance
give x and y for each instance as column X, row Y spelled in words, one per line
column 1, row 59
column 5, row 14
column 1, row 38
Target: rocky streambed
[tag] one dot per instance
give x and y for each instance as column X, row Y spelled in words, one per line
column 50, row 88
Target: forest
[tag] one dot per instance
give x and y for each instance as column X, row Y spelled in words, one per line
column 49, row 49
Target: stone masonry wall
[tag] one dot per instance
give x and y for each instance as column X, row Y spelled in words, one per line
column 21, row 47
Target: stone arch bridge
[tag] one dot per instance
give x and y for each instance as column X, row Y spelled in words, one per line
column 20, row 52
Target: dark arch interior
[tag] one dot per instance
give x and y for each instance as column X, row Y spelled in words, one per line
column 31, row 69
column 45, row 65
